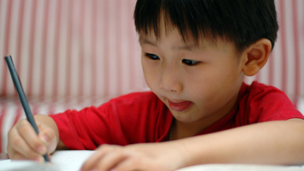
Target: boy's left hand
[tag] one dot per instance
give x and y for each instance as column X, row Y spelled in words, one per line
column 149, row 156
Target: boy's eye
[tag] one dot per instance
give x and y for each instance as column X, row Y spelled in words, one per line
column 190, row 62
column 152, row 56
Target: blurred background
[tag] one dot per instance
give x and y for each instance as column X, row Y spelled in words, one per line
column 74, row 53
column 70, row 47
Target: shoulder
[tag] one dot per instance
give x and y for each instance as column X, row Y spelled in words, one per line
column 258, row 92
column 264, row 103
column 260, row 87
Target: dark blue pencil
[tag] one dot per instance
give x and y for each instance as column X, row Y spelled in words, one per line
column 22, row 96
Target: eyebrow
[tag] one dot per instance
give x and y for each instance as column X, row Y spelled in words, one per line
column 188, row 47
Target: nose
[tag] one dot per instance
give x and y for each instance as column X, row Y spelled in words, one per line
column 171, row 80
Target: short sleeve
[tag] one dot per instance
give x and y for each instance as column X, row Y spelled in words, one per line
column 267, row 103
column 133, row 118
column 87, row 128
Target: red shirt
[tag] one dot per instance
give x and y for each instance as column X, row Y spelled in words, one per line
column 142, row 117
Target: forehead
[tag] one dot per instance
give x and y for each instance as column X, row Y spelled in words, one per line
column 176, row 40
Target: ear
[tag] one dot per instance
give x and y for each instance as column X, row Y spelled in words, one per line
column 256, row 56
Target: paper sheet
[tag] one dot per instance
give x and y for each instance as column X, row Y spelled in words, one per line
column 71, row 160
column 67, row 160
column 241, row 167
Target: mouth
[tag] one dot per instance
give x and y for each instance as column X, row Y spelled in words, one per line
column 180, row 106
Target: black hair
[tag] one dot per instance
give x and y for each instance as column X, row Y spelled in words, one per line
column 241, row 21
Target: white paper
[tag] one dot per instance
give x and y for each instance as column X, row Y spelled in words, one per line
column 11, row 165
column 67, row 160
column 241, row 167
column 72, row 160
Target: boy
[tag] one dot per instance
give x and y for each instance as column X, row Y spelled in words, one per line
column 195, row 54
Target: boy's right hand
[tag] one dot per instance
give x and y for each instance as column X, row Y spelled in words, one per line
column 25, row 144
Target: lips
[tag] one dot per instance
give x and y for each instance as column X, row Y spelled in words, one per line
column 180, row 106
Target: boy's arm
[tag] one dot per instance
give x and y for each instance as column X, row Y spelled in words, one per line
column 275, row 142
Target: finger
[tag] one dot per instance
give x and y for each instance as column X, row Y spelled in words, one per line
column 18, row 146
column 111, row 160
column 92, row 161
column 48, row 137
column 102, row 151
column 27, row 132
column 19, row 156
column 139, row 164
column 130, row 164
column 12, row 133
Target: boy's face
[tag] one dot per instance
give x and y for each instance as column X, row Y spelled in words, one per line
column 199, row 84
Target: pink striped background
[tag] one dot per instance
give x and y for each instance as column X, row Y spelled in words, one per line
column 89, row 48
column 70, row 48
column 72, row 53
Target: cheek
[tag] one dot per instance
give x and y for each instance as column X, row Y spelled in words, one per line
column 226, row 72
column 150, row 73
column 232, row 75
column 213, row 83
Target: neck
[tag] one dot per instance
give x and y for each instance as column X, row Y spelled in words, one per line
column 180, row 130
